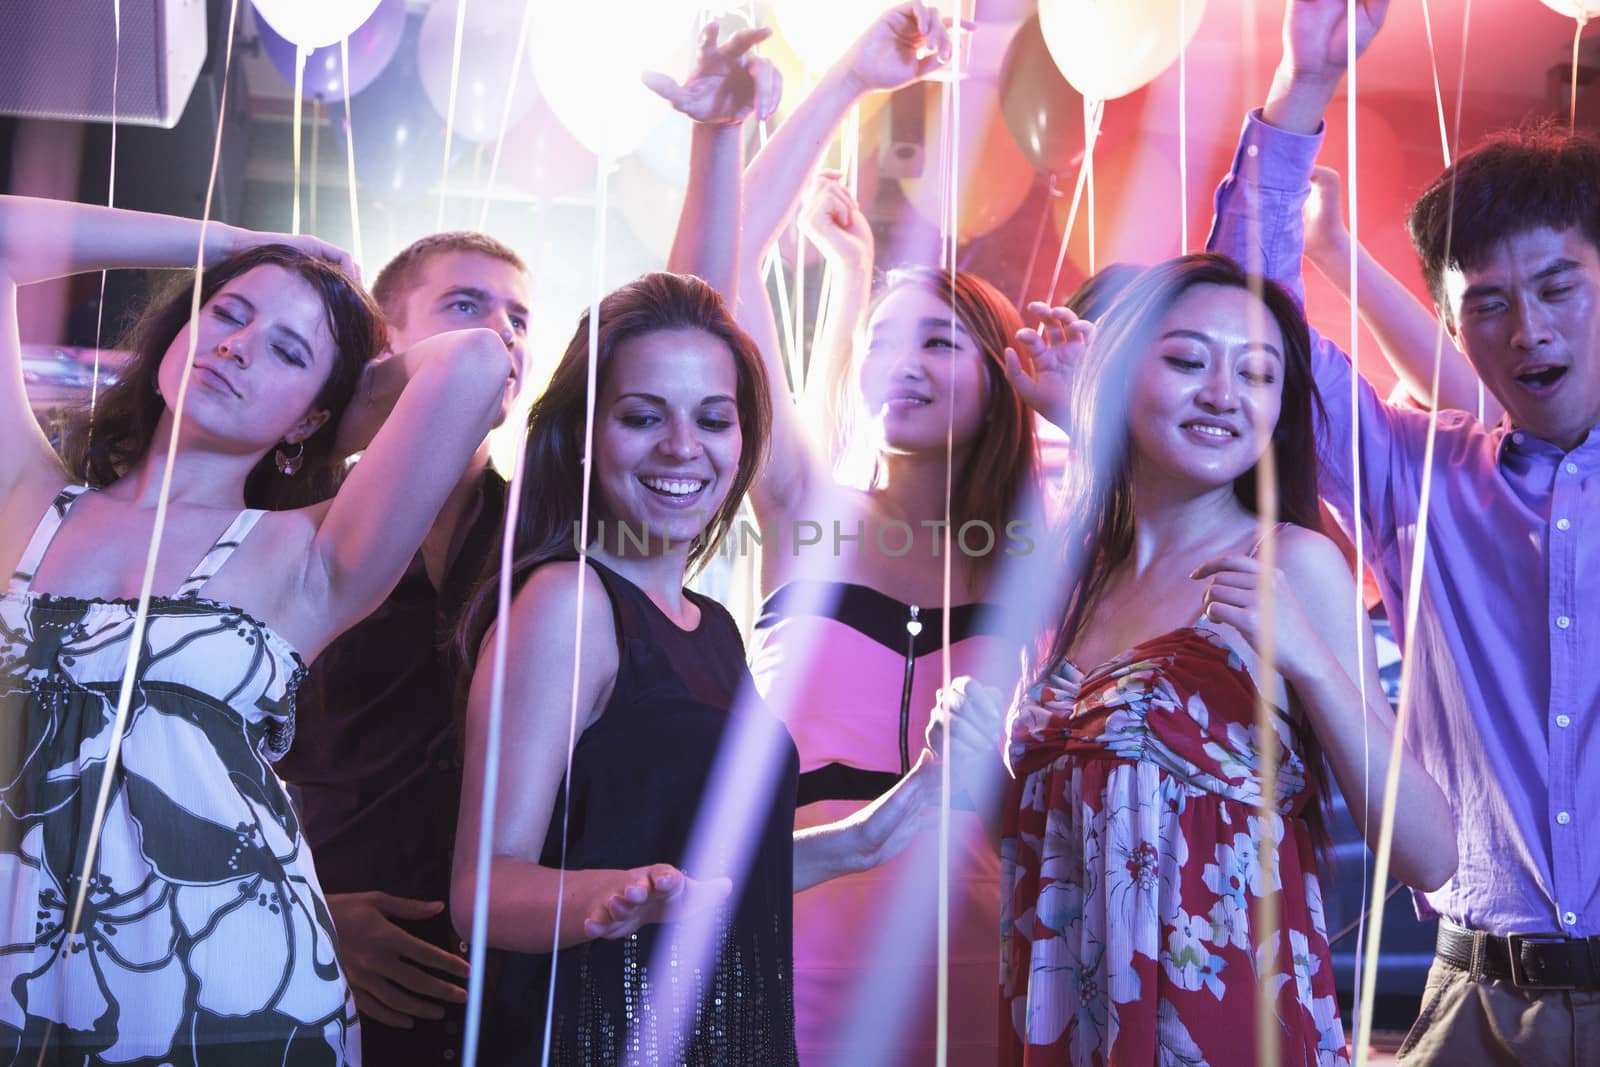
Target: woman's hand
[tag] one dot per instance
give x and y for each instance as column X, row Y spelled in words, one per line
column 656, row 894
column 973, row 716
column 887, row 825
column 239, row 240
column 1236, row 597
column 1057, row 349
column 729, row 82
column 832, row 219
column 907, row 42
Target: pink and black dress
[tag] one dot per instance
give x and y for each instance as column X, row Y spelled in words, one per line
column 853, row 672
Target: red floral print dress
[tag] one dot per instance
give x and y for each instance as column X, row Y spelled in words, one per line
column 1131, row 873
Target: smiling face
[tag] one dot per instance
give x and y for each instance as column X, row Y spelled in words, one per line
column 921, row 361
column 264, row 352
column 1206, row 398
column 667, row 436
column 461, row 290
column 1528, row 318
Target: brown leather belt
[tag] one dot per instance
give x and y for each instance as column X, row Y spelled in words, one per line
column 1528, row 961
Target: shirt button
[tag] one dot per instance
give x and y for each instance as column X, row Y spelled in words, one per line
column 1563, row 721
column 1516, row 438
column 1563, row 622
column 1563, row 524
column 1570, row 918
column 1252, row 151
column 1572, row 468
column 1563, row 817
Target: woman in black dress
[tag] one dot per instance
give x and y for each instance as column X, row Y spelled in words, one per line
column 655, row 707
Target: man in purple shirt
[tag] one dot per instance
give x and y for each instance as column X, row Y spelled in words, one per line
column 1505, row 653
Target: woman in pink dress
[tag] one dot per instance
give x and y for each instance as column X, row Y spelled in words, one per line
column 1142, row 835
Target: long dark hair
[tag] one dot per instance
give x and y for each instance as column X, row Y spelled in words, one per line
column 550, row 505
column 127, row 413
column 999, row 479
column 1100, row 525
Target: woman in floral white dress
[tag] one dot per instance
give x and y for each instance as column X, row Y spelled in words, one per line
column 203, row 936
column 1134, row 835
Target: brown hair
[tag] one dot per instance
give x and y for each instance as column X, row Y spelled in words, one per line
column 399, row 276
column 550, row 505
column 1000, row 477
column 127, row 413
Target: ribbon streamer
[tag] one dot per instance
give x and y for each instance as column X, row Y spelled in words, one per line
column 350, row 155
column 111, row 201
column 1413, row 595
column 142, row 609
column 301, row 52
column 450, row 118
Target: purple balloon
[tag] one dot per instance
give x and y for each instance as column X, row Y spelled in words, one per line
column 372, row 45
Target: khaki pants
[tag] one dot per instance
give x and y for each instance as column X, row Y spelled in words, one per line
column 1466, row 1023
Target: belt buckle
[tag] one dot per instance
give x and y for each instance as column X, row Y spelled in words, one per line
column 1519, row 976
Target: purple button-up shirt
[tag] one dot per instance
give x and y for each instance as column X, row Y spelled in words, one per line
column 1505, row 657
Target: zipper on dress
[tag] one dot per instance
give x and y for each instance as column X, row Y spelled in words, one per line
column 913, row 628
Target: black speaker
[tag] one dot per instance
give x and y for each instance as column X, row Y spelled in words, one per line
column 58, row 57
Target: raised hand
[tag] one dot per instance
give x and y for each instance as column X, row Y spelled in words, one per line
column 1316, row 53
column 833, row 220
column 655, row 894
column 907, row 42
column 1326, row 233
column 729, row 82
column 384, row 963
column 1236, row 597
column 1056, row 349
column 1316, row 35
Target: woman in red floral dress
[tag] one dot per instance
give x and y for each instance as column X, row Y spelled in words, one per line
column 1142, row 834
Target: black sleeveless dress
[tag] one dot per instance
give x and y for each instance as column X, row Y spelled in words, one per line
column 637, row 778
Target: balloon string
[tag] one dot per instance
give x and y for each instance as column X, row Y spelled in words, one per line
column 950, row 236
column 1088, row 165
column 1391, row 786
column 523, row 31
column 350, row 155
column 142, row 608
column 797, row 339
column 1050, row 195
column 1183, row 130
column 1091, row 126
column 1358, row 619
column 111, row 201
column 1577, row 35
column 596, row 283
column 316, row 138
column 479, row 937
column 1438, row 97
column 450, row 117
column 301, row 54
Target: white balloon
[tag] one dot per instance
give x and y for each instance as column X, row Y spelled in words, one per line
column 588, row 56
column 1109, row 48
column 1582, row 10
column 820, row 31
column 313, row 24
column 488, row 47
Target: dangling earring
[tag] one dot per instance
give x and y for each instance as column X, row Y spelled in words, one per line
column 155, row 386
column 289, row 465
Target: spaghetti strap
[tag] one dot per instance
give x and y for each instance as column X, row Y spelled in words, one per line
column 1263, row 539
column 43, row 534
column 218, row 554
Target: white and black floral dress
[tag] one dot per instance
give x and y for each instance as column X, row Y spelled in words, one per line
column 204, row 937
